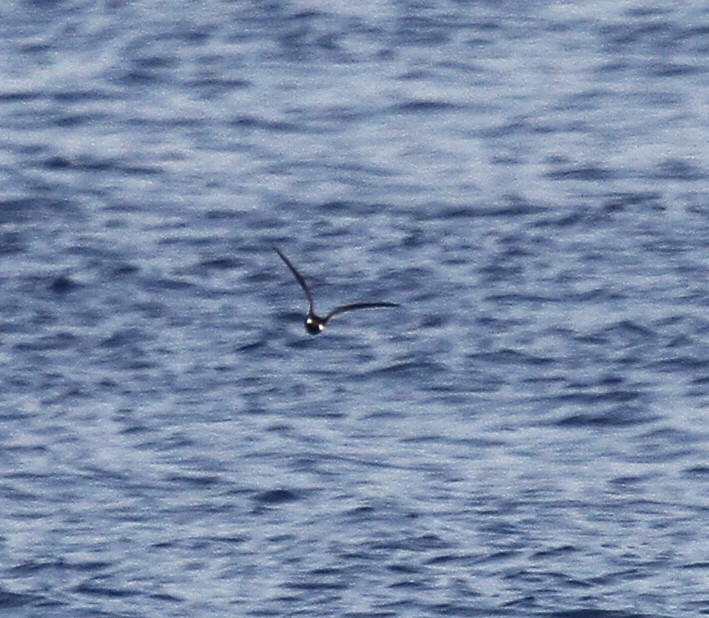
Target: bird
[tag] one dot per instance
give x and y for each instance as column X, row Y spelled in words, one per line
column 314, row 323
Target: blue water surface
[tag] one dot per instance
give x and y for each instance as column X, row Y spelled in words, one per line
column 526, row 436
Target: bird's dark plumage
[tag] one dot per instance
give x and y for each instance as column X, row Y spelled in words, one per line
column 315, row 324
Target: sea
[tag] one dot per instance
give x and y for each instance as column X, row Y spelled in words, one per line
column 526, row 435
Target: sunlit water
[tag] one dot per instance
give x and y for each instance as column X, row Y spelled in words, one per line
column 526, row 436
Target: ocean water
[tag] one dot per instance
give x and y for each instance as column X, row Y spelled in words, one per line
column 527, row 435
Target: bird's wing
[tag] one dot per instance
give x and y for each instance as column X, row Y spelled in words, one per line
column 299, row 278
column 357, row 306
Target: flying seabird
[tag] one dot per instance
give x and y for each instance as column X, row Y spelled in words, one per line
column 315, row 324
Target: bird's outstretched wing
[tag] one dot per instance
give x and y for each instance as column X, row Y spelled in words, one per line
column 299, row 278
column 356, row 307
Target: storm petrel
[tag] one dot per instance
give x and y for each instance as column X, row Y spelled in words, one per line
column 315, row 324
